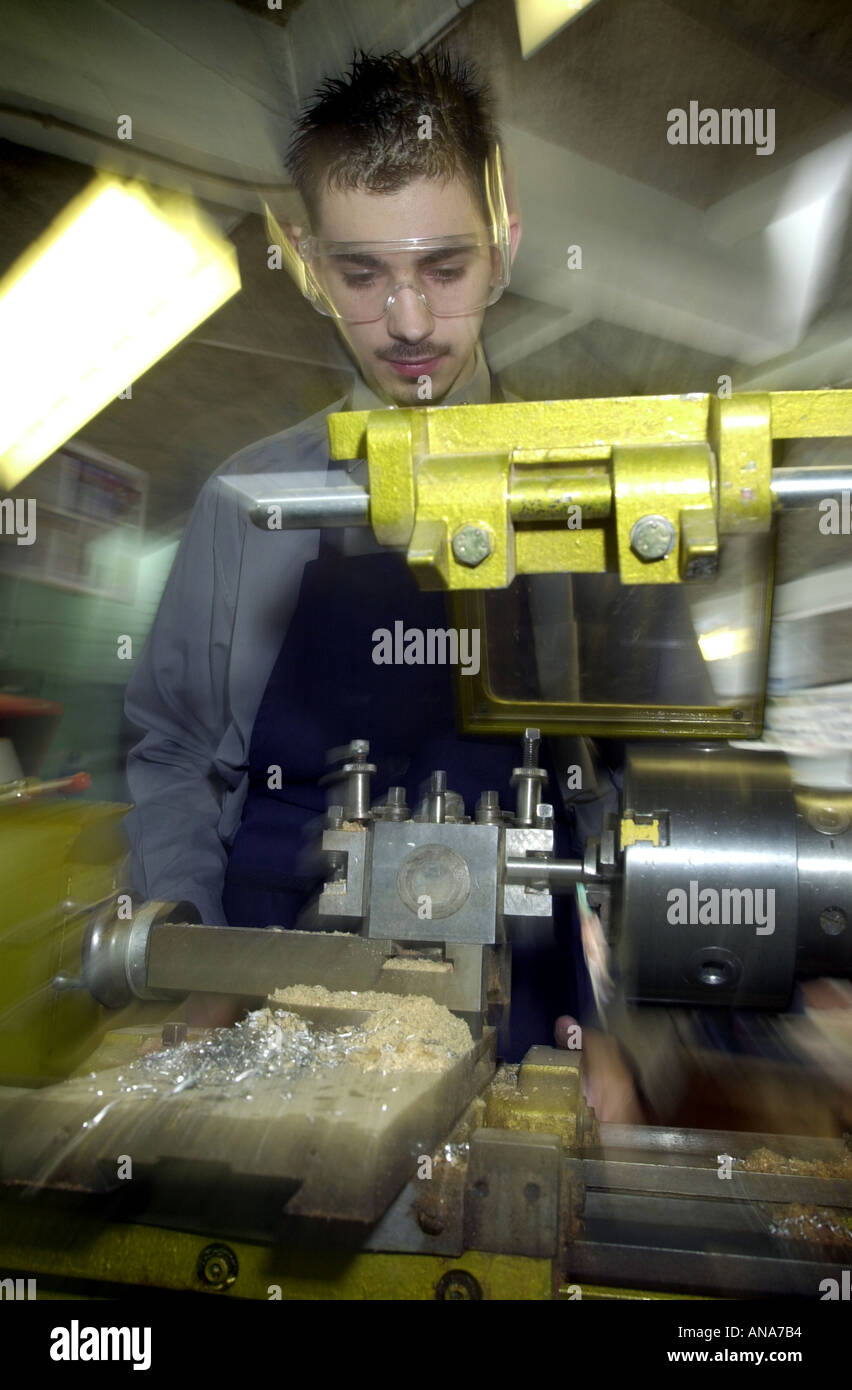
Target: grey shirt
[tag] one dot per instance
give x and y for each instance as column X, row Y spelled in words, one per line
column 196, row 690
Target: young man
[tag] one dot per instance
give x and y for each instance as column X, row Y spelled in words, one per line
column 260, row 657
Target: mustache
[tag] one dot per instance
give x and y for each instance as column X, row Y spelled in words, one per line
column 420, row 353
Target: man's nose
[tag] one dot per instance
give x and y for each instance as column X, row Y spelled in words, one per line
column 408, row 316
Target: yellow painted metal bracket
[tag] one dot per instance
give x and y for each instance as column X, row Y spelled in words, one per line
column 646, row 485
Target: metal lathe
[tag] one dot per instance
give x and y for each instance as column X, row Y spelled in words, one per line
column 629, row 549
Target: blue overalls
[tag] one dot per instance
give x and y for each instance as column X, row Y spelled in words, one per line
column 325, row 690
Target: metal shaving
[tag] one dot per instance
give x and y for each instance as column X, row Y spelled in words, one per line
column 409, row 1032
column 455, row 1155
column 765, row 1160
column 815, row 1224
column 263, row 1047
column 275, row 1045
column 505, row 1080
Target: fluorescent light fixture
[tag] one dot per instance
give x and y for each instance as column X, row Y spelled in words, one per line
column 540, row 20
column 115, row 282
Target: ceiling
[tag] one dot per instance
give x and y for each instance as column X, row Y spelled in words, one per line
column 696, row 260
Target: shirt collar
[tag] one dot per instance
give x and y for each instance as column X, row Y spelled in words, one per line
column 476, row 391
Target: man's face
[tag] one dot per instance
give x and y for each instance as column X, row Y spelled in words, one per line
column 408, row 342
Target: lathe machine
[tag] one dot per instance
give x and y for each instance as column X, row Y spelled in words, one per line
column 138, row 1149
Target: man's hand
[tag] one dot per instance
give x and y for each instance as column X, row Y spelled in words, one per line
column 604, row 1075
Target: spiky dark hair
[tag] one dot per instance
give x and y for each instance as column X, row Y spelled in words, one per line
column 361, row 130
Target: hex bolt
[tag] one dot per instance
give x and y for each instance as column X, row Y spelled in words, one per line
column 530, row 746
column 471, row 545
column 458, row 1286
column 217, row 1266
column 652, row 537
column 529, row 779
column 354, row 776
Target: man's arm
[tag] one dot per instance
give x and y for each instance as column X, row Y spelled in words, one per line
column 178, row 695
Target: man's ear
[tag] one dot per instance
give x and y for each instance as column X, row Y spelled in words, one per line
column 514, row 235
column 281, row 228
column 287, row 237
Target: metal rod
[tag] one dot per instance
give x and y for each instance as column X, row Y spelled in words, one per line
column 804, row 486
column 558, row 875
column 349, row 505
column 306, row 508
column 547, row 494
column 436, row 802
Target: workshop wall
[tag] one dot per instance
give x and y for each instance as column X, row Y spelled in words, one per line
column 60, row 645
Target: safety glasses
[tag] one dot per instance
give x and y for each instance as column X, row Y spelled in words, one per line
column 360, row 282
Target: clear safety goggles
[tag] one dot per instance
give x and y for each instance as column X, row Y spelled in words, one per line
column 360, row 282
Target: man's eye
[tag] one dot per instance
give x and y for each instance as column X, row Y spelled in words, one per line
column 362, row 281
column 446, row 274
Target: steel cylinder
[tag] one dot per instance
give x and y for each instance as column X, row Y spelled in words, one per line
column 710, row 913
